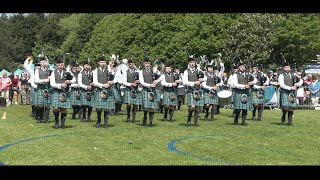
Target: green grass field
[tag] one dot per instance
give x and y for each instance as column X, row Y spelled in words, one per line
column 266, row 142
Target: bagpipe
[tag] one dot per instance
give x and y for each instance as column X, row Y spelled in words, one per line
column 151, row 94
column 47, row 72
column 196, row 93
column 292, row 94
column 212, row 92
column 46, row 91
column 88, row 94
column 249, row 78
column 133, row 92
column 63, row 94
column 104, row 92
column 262, row 79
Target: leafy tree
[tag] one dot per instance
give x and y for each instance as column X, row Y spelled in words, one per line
column 297, row 39
column 10, row 45
column 250, row 38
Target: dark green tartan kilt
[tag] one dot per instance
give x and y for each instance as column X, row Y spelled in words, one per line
column 207, row 100
column 195, row 102
column 104, row 103
column 57, row 103
column 116, row 94
column 284, row 102
column 255, row 99
column 159, row 95
column 32, row 96
column 167, row 100
column 128, row 99
column 85, row 101
column 237, row 104
column 74, row 100
column 181, row 97
column 181, row 91
column 40, row 100
column 147, row 103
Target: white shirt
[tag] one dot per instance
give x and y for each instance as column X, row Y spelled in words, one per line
column 125, row 79
column 185, row 78
column 235, row 84
column 80, row 80
column 204, row 84
column 95, row 77
column 163, row 81
column 37, row 79
column 259, row 87
column 141, row 78
column 58, row 85
column 282, row 85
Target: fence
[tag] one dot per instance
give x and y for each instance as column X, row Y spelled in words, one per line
column 272, row 95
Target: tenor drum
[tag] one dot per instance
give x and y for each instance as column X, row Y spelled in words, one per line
column 224, row 94
column 225, row 97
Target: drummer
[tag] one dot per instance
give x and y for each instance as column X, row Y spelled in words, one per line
column 230, row 84
column 211, row 86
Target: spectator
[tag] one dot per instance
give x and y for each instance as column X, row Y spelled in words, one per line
column 15, row 88
column 5, row 87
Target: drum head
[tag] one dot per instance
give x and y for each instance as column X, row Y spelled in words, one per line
column 224, row 94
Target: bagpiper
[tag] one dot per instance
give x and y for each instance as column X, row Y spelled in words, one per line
column 104, row 98
column 133, row 93
column 192, row 78
column 85, row 80
column 60, row 81
column 75, row 91
column 181, row 90
column 289, row 83
column 242, row 83
column 148, row 82
column 211, row 85
column 170, row 98
column 43, row 91
column 257, row 92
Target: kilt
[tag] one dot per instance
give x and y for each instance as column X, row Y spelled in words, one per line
column 181, row 91
column 86, row 102
column 32, row 96
column 129, row 99
column 284, row 102
column 167, row 100
column 237, row 104
column 195, row 102
column 104, row 103
column 255, row 99
column 116, row 93
column 147, row 103
column 39, row 99
column 57, row 103
column 207, row 100
column 159, row 95
column 74, row 100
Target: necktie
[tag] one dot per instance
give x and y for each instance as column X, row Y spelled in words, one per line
column 289, row 75
column 60, row 72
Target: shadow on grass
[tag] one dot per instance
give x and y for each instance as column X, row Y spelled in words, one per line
column 147, row 125
column 277, row 123
column 101, row 126
column 65, row 127
column 192, row 125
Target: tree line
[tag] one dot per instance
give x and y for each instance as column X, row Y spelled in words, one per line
column 260, row 38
